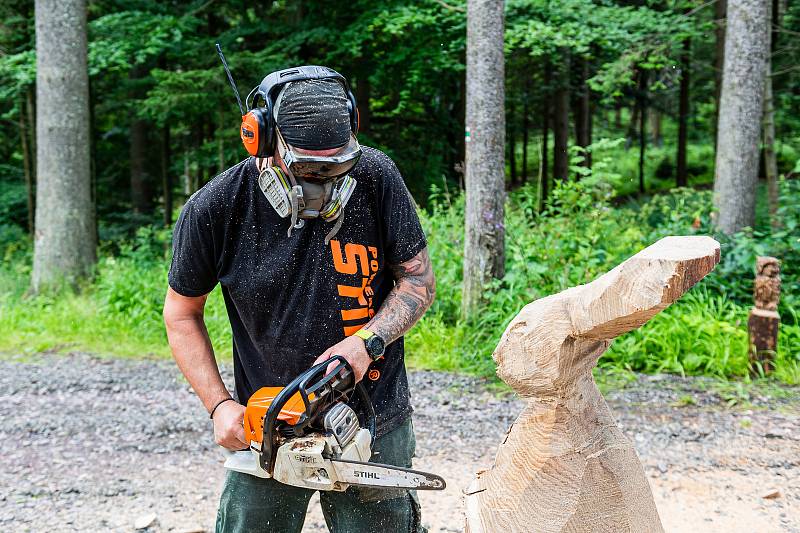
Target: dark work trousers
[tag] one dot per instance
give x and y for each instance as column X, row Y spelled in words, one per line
column 250, row 504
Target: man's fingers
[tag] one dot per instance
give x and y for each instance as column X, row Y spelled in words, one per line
column 239, row 436
column 331, row 367
column 325, row 355
column 234, row 445
column 235, row 439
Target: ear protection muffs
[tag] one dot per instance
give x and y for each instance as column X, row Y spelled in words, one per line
column 258, row 124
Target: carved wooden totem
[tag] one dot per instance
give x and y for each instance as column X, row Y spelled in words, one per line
column 762, row 325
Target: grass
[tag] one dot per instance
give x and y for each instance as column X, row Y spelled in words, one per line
column 119, row 314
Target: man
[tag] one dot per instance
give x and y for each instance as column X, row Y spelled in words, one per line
column 298, row 291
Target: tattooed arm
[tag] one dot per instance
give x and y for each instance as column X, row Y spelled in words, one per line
column 411, row 296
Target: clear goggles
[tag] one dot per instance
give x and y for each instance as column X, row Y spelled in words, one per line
column 318, row 167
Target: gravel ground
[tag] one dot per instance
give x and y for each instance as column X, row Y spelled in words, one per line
column 92, row 444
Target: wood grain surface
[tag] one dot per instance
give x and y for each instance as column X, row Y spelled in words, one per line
column 565, row 465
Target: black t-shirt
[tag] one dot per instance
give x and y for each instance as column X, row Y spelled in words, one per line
column 291, row 298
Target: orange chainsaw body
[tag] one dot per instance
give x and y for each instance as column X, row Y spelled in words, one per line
column 257, row 407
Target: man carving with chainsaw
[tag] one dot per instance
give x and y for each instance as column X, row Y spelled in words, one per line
column 319, row 252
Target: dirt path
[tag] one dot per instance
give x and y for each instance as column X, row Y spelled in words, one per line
column 93, row 444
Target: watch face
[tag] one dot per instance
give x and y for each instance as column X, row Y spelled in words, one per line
column 375, row 346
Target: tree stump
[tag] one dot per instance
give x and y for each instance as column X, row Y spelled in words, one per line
column 762, row 325
column 564, row 465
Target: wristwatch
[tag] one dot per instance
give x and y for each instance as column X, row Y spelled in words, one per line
column 374, row 344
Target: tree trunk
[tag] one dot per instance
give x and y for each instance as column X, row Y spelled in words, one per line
column 655, row 127
column 544, row 153
column 188, row 189
column 642, row 129
column 736, row 172
column 30, row 111
column 583, row 115
column 561, row 124
column 220, row 144
column 511, row 141
column 525, row 138
column 363, row 91
column 198, row 138
column 770, row 158
column 590, row 108
column 139, row 155
column 166, row 176
column 544, row 175
column 64, row 245
column 720, row 15
column 139, row 151
column 681, row 177
column 93, row 159
column 564, row 464
column 484, row 243
column 633, row 124
column 210, row 170
column 462, row 119
column 27, row 167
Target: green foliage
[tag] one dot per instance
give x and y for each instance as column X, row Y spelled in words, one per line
column 13, row 203
column 580, row 236
column 701, row 334
column 577, row 237
column 619, row 39
column 119, row 314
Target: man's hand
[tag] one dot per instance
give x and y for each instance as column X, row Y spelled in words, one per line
column 353, row 349
column 228, row 426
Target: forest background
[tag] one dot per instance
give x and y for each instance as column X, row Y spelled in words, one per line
column 611, row 112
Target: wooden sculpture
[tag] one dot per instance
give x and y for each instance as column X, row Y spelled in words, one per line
column 762, row 325
column 564, row 465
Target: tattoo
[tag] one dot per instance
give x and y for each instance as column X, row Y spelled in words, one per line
column 411, row 296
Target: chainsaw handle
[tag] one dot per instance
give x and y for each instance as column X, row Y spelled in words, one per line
column 269, row 438
column 326, row 381
column 359, row 386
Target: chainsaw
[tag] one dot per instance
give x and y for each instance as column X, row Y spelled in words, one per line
column 306, row 435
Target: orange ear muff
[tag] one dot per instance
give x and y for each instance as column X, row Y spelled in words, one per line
column 249, row 133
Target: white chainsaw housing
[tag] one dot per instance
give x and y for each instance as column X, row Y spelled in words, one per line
column 302, row 462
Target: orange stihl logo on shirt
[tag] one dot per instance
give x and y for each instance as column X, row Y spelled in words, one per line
column 361, row 261
column 373, row 375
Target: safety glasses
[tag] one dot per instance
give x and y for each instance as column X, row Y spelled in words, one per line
column 317, row 167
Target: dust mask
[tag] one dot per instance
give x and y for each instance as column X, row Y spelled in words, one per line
column 301, row 199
